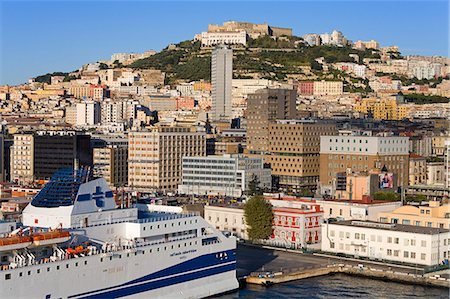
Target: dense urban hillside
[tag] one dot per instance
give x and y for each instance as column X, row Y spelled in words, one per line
column 269, row 58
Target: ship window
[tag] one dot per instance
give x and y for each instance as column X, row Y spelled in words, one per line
column 172, row 223
column 29, row 273
column 179, row 245
column 135, row 253
column 76, row 264
column 85, row 262
column 101, row 260
column 48, row 269
column 20, row 274
column 38, row 271
column 110, row 258
column 67, row 266
column 171, row 247
column 145, row 227
column 7, row 276
column 57, row 267
column 128, row 255
column 150, row 251
column 151, row 227
column 158, row 225
column 165, row 225
column 157, row 249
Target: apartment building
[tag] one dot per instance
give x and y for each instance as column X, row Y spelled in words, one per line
column 36, row 156
column 417, row 170
column 408, row 244
column 264, row 107
column 155, row 155
column 383, row 109
column 435, row 214
column 360, row 151
column 328, row 88
column 294, row 147
column 88, row 113
column 111, row 162
column 227, row 175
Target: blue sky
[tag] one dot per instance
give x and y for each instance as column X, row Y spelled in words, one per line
column 37, row 37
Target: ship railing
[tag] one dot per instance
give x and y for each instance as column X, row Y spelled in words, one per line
column 169, row 216
column 141, row 244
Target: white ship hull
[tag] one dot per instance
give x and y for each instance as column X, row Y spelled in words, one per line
column 185, row 272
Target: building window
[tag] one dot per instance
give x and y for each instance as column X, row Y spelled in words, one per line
column 423, row 256
column 389, row 252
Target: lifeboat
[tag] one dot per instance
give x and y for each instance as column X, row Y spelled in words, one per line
column 49, row 238
column 77, row 250
column 15, row 242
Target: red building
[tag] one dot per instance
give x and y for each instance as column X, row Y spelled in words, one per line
column 185, row 103
column 305, row 88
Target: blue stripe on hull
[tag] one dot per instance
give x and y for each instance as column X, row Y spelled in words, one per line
column 203, row 261
column 145, row 287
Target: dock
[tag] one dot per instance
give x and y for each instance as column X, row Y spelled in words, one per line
column 267, row 278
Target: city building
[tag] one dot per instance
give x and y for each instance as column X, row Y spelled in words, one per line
column 227, row 175
column 312, row 39
column 263, row 108
column 365, row 209
column 382, row 109
column 221, row 78
column 155, row 155
column 294, row 147
column 409, row 244
column 293, row 227
column 110, row 161
column 88, row 113
column 434, row 214
column 328, row 88
column 361, row 151
column 37, row 156
column 417, row 170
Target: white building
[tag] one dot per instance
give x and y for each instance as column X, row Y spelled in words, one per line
column 384, row 241
column 223, row 38
column 222, row 175
column 221, row 78
column 114, row 111
column 351, row 210
column 88, row 113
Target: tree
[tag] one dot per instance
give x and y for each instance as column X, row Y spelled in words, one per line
column 258, row 216
column 253, row 186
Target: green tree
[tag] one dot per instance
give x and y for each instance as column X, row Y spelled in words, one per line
column 258, row 216
column 253, row 186
column 103, row 66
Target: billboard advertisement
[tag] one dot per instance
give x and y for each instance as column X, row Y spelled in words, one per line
column 386, row 180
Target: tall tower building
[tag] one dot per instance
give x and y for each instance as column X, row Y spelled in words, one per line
column 221, row 77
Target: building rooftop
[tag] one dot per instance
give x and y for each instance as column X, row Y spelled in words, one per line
column 394, row 227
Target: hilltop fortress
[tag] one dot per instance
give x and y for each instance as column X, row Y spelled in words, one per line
column 253, row 30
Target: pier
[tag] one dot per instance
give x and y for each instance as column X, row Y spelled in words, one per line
column 269, row 278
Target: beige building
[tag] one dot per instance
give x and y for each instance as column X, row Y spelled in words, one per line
column 360, row 151
column 230, row 219
column 155, row 155
column 328, row 88
column 294, row 147
column 111, row 163
column 22, row 158
column 417, row 170
column 264, row 107
column 433, row 215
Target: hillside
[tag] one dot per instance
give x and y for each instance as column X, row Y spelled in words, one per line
column 263, row 58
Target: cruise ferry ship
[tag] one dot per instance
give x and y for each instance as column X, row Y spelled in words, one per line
column 75, row 243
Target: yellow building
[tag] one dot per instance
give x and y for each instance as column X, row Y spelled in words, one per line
column 385, row 108
column 433, row 215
